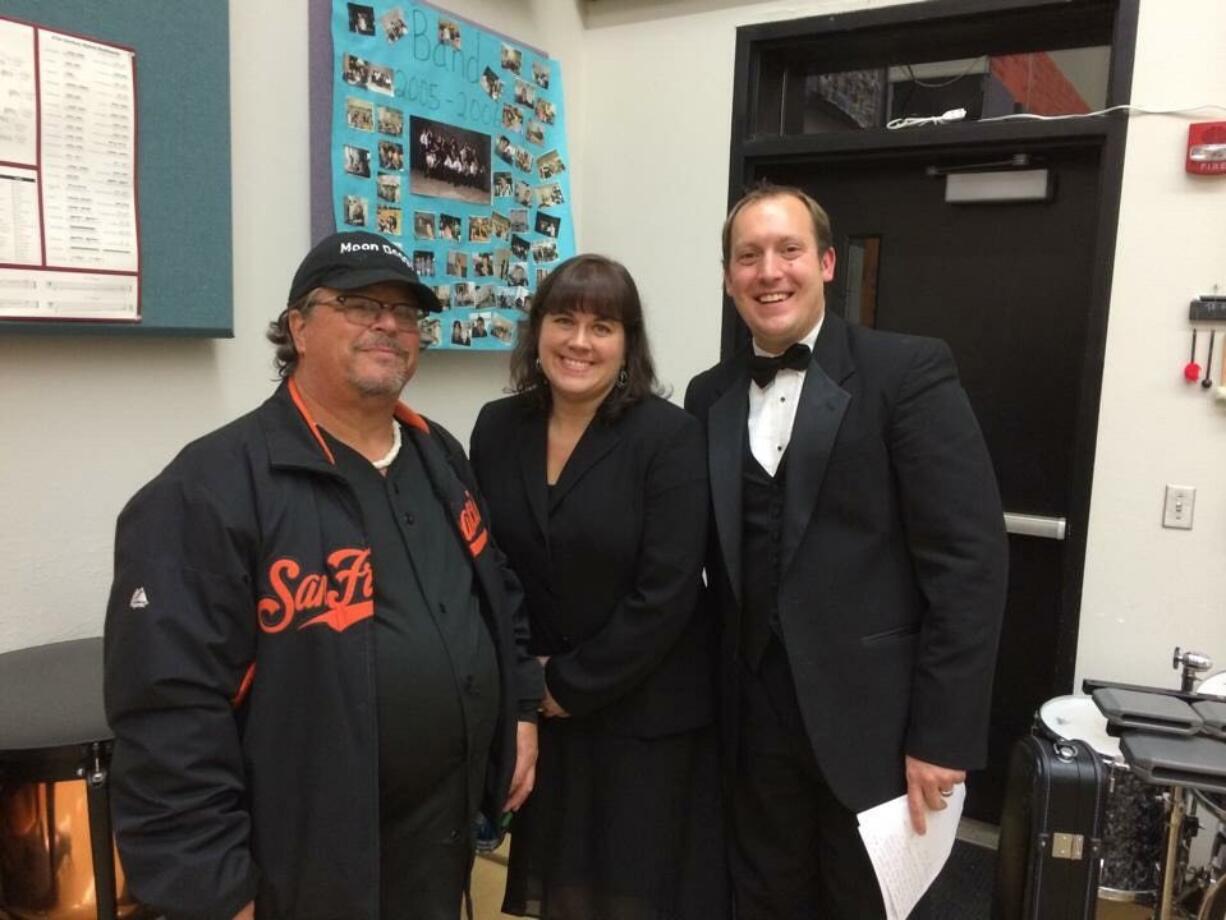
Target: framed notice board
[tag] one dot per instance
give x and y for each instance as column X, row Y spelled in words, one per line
column 173, row 86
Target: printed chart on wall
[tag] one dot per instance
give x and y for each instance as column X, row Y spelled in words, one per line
column 449, row 140
column 68, row 216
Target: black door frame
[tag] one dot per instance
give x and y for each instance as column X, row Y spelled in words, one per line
column 944, row 30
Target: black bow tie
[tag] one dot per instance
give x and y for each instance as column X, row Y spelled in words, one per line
column 763, row 368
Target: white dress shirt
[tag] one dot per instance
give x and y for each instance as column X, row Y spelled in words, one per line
column 772, row 409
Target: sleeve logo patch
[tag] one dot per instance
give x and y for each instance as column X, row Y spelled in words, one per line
column 140, row 600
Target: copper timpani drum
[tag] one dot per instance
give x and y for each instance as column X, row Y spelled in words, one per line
column 57, row 858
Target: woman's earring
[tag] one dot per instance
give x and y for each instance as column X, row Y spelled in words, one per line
column 622, row 378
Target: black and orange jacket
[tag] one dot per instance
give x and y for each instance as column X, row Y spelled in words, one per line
column 240, row 678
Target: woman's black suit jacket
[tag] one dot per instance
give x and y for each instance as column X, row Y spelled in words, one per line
column 609, row 558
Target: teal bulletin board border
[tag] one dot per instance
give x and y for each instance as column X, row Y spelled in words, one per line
column 183, row 157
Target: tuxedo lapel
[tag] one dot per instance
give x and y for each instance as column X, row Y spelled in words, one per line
column 531, row 450
column 726, row 434
column 597, row 440
column 823, row 403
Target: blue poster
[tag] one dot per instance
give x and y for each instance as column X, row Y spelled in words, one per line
column 450, row 140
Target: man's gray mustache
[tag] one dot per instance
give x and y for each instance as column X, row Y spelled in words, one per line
column 395, row 346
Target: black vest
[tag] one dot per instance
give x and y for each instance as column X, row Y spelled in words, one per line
column 761, row 533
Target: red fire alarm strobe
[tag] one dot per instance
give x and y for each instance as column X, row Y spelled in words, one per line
column 1207, row 148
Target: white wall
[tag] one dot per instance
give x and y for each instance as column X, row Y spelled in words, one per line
column 83, row 422
column 1148, row 589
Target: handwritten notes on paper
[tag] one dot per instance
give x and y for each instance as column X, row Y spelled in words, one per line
column 905, row 862
column 69, row 246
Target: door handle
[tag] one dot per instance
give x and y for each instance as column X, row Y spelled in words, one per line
column 1036, row 525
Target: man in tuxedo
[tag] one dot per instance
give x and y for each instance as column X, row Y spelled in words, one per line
column 858, row 561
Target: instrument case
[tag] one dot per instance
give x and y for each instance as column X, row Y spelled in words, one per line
column 1051, row 832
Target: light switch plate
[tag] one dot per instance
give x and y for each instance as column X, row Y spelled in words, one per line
column 1177, row 512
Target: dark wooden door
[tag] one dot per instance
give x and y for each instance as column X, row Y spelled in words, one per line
column 1008, row 287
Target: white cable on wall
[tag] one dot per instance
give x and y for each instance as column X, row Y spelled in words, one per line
column 1132, row 109
column 954, row 115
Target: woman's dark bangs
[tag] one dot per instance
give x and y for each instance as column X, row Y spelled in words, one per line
column 589, row 288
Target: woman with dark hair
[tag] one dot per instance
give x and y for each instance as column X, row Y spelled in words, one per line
column 597, row 489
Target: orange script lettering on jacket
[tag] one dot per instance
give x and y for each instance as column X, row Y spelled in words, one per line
column 475, row 535
column 342, row 598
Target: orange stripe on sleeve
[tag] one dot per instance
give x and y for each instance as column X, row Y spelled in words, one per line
column 244, row 688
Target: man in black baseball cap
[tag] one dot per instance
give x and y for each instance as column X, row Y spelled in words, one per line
column 315, row 661
column 346, row 261
column 372, row 284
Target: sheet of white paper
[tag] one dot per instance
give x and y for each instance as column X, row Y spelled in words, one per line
column 906, row 863
column 88, row 124
column 68, row 229
column 18, row 110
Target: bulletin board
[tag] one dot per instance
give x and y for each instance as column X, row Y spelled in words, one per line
column 449, row 139
column 182, row 105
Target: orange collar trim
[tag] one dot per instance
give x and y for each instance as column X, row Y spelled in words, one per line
column 306, row 415
column 402, row 412
column 411, row 418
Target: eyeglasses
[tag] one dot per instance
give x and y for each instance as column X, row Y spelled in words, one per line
column 365, row 311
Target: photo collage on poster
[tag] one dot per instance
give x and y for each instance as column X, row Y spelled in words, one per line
column 449, row 140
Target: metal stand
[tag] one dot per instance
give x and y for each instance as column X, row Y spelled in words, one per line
column 1170, row 868
column 1193, row 664
column 1184, row 895
column 98, row 800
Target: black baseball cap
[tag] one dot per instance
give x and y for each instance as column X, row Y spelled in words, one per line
column 346, row 261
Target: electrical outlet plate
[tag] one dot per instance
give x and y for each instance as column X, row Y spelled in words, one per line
column 1177, row 512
